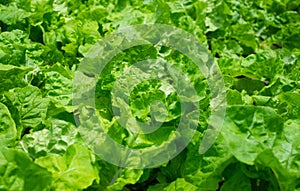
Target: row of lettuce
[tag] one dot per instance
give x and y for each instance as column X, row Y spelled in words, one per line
column 255, row 43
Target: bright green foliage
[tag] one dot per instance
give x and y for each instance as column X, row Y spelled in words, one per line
column 74, row 170
column 256, row 44
column 19, row 172
column 8, row 127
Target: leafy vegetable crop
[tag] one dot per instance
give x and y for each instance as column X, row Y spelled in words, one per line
column 256, row 44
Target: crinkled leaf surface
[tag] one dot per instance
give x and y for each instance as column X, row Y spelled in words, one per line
column 42, row 43
column 73, row 170
column 19, row 172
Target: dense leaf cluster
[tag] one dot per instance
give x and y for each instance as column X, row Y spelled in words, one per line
column 256, row 44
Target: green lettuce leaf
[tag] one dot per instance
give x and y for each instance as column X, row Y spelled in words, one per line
column 31, row 108
column 19, row 173
column 12, row 76
column 179, row 184
column 256, row 127
column 55, row 139
column 74, row 170
column 8, row 131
